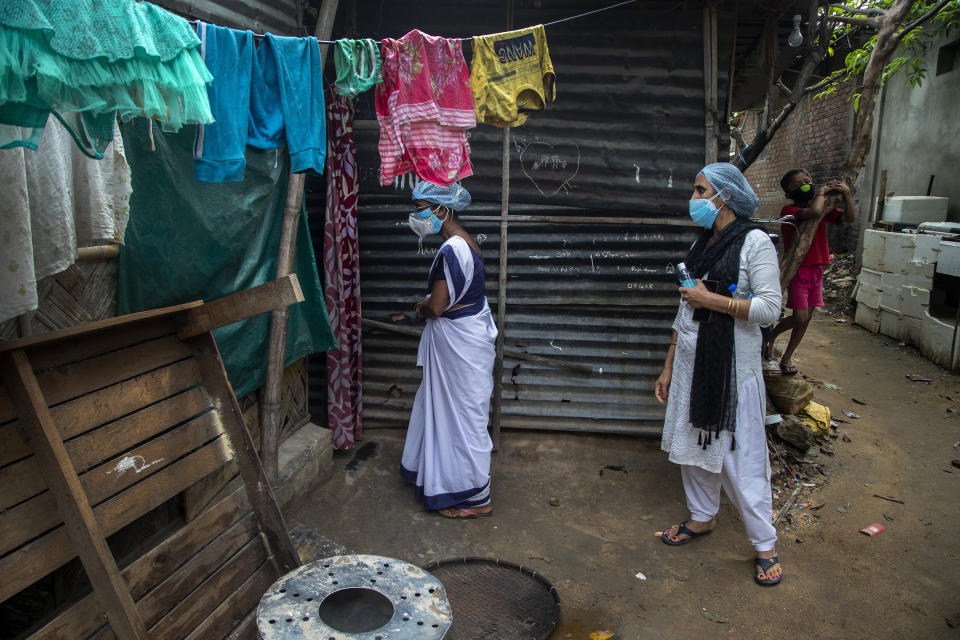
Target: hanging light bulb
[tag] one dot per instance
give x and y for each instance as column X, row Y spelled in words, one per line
column 796, row 38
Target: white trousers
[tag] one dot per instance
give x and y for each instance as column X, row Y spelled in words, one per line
column 745, row 479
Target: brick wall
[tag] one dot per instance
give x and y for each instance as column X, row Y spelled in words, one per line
column 815, row 137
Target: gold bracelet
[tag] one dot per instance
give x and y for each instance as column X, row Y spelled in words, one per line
column 730, row 307
column 673, row 344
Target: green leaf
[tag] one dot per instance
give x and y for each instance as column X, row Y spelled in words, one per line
column 856, row 103
column 829, row 52
column 713, row 617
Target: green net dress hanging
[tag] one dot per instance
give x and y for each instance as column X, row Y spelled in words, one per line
column 97, row 58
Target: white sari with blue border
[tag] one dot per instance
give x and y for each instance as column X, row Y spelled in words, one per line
column 447, row 450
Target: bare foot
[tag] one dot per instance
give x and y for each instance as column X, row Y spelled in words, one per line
column 693, row 525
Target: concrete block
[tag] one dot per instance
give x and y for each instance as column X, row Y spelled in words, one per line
column 914, row 301
column 927, row 248
column 919, row 274
column 874, row 246
column 898, row 250
column 305, row 459
column 868, row 318
column 870, row 276
column 892, row 280
column 890, row 324
column 936, row 339
column 889, row 298
column 868, row 296
column 910, row 330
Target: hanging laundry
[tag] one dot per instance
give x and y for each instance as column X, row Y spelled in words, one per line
column 424, row 106
column 95, row 57
column 341, row 263
column 219, row 147
column 286, row 101
column 511, row 72
column 54, row 200
column 358, row 66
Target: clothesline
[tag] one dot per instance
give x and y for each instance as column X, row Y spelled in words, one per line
column 546, row 24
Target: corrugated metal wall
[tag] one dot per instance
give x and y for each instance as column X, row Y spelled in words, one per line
column 624, row 140
column 275, row 16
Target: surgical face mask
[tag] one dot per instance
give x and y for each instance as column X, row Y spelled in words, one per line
column 703, row 211
column 424, row 222
column 803, row 193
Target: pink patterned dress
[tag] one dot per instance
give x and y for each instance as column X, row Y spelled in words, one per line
column 425, row 106
column 341, row 263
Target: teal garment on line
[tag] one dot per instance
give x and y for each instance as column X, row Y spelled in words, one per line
column 189, row 240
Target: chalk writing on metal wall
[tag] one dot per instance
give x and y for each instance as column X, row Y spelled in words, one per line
column 550, row 165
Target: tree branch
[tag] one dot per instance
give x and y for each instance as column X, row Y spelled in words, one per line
column 866, row 11
column 873, row 23
column 919, row 21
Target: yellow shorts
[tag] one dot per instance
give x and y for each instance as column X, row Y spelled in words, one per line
column 511, row 72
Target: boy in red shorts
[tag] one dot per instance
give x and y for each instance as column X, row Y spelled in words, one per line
column 806, row 290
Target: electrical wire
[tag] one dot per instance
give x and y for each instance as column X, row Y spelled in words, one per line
column 546, row 24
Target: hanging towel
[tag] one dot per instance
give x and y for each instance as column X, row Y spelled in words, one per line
column 98, row 57
column 286, row 101
column 341, row 264
column 511, row 72
column 218, row 150
column 425, row 107
column 358, row 66
column 53, row 200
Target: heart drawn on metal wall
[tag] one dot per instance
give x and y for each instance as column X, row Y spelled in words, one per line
column 550, row 167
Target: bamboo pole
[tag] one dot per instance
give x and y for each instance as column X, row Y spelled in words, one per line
column 270, row 399
column 501, row 290
column 710, row 83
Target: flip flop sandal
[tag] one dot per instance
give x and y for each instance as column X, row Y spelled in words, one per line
column 683, row 530
column 788, row 369
column 468, row 514
column 765, row 566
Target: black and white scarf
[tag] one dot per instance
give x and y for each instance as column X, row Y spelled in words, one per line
column 713, row 394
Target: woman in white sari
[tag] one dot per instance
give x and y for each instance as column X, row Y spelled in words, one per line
column 447, row 450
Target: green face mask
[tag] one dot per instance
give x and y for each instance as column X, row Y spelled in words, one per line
column 803, row 193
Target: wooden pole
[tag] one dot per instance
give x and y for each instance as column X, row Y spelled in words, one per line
column 501, row 289
column 270, row 398
column 710, row 83
column 882, row 196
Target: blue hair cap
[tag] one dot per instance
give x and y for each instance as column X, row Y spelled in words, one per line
column 453, row 197
column 733, row 187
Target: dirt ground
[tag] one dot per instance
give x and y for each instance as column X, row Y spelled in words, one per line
column 613, row 493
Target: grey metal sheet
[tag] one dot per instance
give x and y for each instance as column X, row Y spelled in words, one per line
column 630, row 109
column 275, row 16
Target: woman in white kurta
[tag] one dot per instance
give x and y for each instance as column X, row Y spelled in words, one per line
column 447, row 450
column 733, row 458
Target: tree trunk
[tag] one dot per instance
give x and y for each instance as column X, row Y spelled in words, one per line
column 887, row 41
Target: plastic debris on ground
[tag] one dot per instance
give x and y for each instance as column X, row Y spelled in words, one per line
column 817, row 417
column 915, row 378
column 640, row 576
column 601, row 635
column 874, row 529
column 849, row 414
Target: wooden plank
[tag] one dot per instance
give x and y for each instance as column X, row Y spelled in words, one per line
column 29, row 563
column 142, row 462
column 84, row 413
column 81, row 620
column 197, row 497
column 188, row 577
column 193, row 609
column 711, row 124
column 241, row 604
column 246, row 629
column 18, row 482
column 12, row 446
column 124, row 508
column 242, row 305
column 40, row 431
column 148, row 570
column 75, row 380
column 95, row 446
column 28, row 520
column 496, row 410
column 258, row 489
column 83, row 346
column 90, row 328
